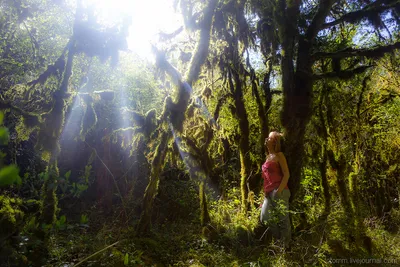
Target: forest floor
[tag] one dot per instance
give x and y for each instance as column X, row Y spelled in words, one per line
column 181, row 243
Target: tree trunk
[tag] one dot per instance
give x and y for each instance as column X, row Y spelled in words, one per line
column 296, row 93
column 205, row 216
column 49, row 197
column 152, row 187
column 323, row 133
column 241, row 115
column 263, row 119
column 297, row 86
column 53, row 129
column 324, row 182
column 340, row 167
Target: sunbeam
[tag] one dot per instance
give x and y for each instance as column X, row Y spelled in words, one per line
column 191, row 163
column 145, row 25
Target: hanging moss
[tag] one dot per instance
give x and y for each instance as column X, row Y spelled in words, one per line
column 89, row 120
column 106, row 95
column 138, row 118
column 190, row 110
column 52, row 70
column 53, row 121
column 201, row 52
column 48, row 209
column 10, row 215
column 51, row 128
column 23, row 131
column 152, row 187
column 205, row 216
column 166, row 108
column 150, row 122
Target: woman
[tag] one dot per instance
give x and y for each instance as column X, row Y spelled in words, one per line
column 275, row 172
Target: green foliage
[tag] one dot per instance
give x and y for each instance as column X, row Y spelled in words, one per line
column 230, row 222
column 11, row 216
column 361, row 124
column 3, row 131
column 84, row 219
column 9, row 175
column 61, row 223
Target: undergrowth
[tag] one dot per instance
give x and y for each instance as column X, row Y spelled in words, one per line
column 234, row 242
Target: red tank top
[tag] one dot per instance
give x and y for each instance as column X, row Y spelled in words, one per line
column 272, row 174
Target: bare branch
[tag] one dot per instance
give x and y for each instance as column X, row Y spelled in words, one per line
column 377, row 52
column 372, row 9
column 319, row 18
column 30, row 118
column 203, row 44
column 168, row 36
column 343, row 75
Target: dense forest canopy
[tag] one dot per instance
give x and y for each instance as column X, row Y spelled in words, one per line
column 133, row 134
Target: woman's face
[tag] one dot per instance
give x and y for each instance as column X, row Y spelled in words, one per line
column 270, row 140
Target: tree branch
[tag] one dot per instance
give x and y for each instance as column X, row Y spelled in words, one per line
column 319, row 18
column 30, row 118
column 203, row 44
column 276, row 92
column 163, row 64
column 350, row 52
column 35, row 45
column 344, row 75
column 168, row 36
column 372, row 9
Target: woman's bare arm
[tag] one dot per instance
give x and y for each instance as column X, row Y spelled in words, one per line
column 285, row 171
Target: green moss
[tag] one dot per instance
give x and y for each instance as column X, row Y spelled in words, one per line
column 205, row 217
column 89, row 120
column 150, row 122
column 49, row 197
column 10, row 215
column 22, row 130
column 152, row 187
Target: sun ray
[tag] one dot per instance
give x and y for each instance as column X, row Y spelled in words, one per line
column 149, row 18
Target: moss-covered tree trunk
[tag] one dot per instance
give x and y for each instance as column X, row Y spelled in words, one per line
column 296, row 96
column 54, row 124
column 235, row 85
column 324, row 182
column 267, row 94
column 205, row 216
column 198, row 60
column 152, row 187
column 340, row 166
column 262, row 117
column 174, row 112
column 297, row 84
column 323, row 162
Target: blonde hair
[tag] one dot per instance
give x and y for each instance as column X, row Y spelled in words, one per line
column 277, row 139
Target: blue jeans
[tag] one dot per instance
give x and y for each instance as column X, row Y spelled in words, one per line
column 275, row 214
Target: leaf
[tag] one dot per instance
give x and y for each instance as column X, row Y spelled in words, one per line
column 308, row 198
column 82, row 187
column 84, row 219
column 63, row 219
column 126, row 259
column 67, row 175
column 1, row 117
column 9, row 175
column 3, row 135
column 44, row 176
column 60, row 224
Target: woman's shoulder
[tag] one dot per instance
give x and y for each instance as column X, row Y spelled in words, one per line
column 272, row 159
column 280, row 155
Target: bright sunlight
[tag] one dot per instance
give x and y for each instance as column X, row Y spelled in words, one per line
column 148, row 19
